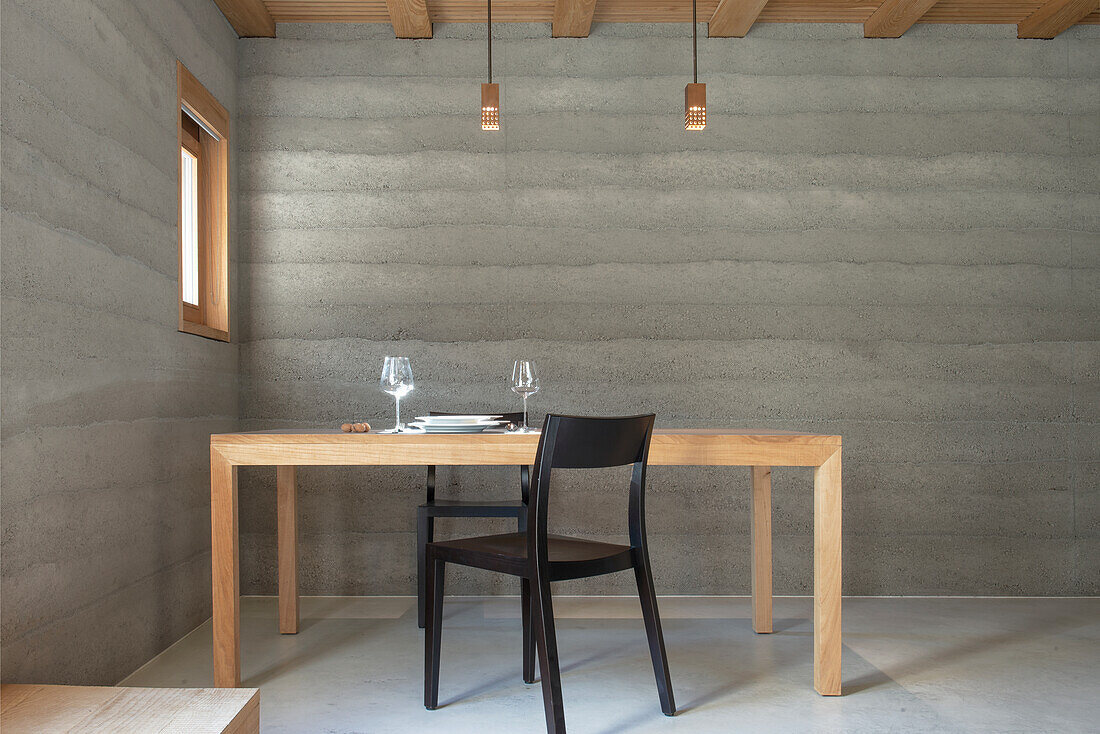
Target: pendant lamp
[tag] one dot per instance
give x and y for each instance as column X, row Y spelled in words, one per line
column 695, row 94
column 490, row 93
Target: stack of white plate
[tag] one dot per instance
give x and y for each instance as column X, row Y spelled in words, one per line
column 456, row 423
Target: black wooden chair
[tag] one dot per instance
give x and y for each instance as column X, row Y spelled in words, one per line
column 433, row 508
column 567, row 442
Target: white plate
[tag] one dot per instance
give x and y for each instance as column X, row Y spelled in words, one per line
column 477, row 428
column 455, row 420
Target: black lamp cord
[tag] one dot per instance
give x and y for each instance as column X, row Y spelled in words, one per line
column 694, row 44
column 489, row 27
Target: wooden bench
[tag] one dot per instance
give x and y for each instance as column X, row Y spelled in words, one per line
column 34, row 709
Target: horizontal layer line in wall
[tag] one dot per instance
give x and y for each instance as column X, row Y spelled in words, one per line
column 273, row 172
column 42, row 247
column 1072, row 180
column 132, row 397
column 84, row 606
column 92, row 313
column 152, row 487
column 147, row 523
column 105, row 340
column 32, row 163
column 1077, row 183
column 75, row 206
column 40, row 124
column 966, row 397
column 428, row 90
column 946, row 325
column 517, row 271
column 39, row 433
column 81, row 93
column 715, row 281
column 711, row 209
column 894, row 401
column 655, row 342
column 265, row 169
column 1064, row 304
column 127, row 46
column 396, row 103
column 411, row 265
column 813, row 132
column 492, row 244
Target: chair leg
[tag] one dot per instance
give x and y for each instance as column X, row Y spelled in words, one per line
column 425, row 530
column 656, row 638
column 548, row 657
column 433, row 634
column 528, row 637
column 525, row 612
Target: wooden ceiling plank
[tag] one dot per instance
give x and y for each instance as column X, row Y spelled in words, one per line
column 572, row 18
column 734, row 18
column 1054, row 17
column 248, row 17
column 894, row 17
column 651, row 11
column 410, row 18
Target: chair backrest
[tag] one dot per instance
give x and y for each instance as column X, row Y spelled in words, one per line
column 516, row 417
column 577, row 442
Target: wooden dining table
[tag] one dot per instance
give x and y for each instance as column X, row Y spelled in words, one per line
column 288, row 449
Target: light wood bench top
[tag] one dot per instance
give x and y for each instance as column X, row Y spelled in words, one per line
column 35, row 709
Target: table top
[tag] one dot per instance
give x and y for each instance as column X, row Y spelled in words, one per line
column 275, row 433
column 670, row 446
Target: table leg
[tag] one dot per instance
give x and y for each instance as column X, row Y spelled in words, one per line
column 761, row 549
column 225, row 572
column 287, row 503
column 827, row 543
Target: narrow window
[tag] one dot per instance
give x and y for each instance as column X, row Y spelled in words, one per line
column 189, row 217
column 203, row 211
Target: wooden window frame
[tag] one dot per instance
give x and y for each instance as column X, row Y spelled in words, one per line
column 210, row 318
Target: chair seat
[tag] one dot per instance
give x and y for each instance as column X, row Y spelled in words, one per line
column 570, row 557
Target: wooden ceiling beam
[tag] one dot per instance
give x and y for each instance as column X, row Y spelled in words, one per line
column 894, row 17
column 572, row 18
column 1054, row 17
column 409, row 18
column 734, row 18
column 248, row 17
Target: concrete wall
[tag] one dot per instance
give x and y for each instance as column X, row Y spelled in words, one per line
column 893, row 240
column 107, row 410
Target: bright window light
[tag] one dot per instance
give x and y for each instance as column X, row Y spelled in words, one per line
column 189, row 206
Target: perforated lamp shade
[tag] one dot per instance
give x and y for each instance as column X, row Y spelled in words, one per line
column 490, row 106
column 695, row 107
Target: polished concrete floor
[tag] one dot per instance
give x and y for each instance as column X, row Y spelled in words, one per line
column 910, row 665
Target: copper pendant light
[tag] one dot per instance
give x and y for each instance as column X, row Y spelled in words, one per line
column 490, row 93
column 695, row 94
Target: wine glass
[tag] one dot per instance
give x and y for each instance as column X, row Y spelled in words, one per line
column 397, row 380
column 525, row 382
